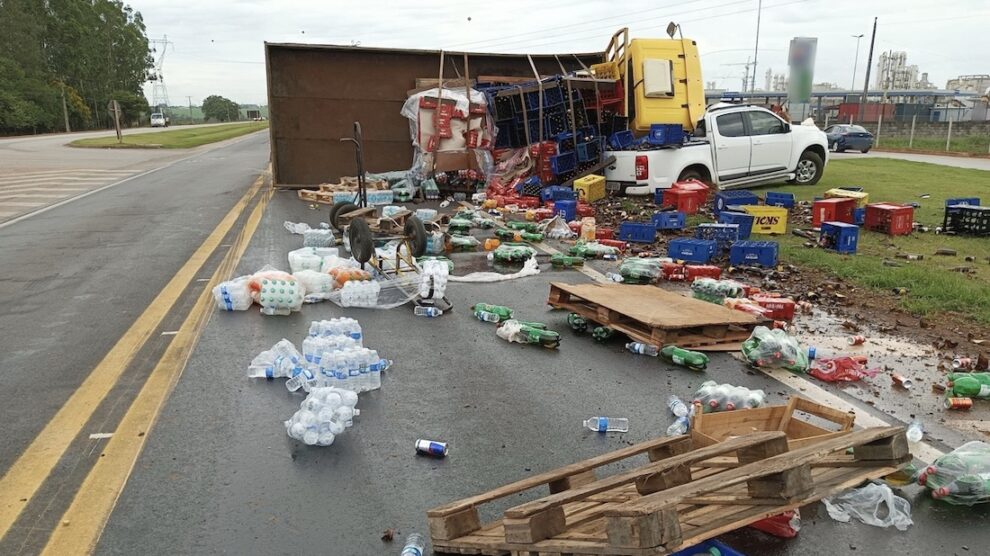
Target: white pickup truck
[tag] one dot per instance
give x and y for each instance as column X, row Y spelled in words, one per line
column 732, row 146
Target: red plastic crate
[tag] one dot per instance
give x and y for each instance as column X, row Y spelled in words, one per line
column 835, row 209
column 695, row 271
column 673, row 272
column 575, row 226
column 684, row 201
column 699, row 188
column 604, row 233
column 890, row 219
column 544, row 213
column 584, row 209
column 620, row 245
column 781, row 308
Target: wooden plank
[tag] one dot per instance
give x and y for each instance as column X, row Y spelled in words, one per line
column 841, row 418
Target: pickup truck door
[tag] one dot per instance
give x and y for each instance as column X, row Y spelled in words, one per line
column 771, row 140
column 732, row 146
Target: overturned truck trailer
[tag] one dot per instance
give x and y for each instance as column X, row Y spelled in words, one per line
column 316, row 92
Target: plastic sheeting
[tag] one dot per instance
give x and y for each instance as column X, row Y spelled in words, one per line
column 873, row 504
column 530, row 268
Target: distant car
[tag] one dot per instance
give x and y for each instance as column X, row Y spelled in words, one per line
column 847, row 136
column 158, row 120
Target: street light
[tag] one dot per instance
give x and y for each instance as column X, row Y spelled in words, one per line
column 856, row 59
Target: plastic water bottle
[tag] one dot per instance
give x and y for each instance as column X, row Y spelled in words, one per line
column 431, row 312
column 615, row 277
column 643, row 349
column 680, row 426
column 353, row 371
column 676, row 406
column 375, row 369
column 485, row 316
column 415, row 544
column 915, row 432
column 607, row 424
column 299, row 380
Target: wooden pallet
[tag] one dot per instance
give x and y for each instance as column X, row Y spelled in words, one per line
column 681, row 498
column 655, row 316
column 316, row 196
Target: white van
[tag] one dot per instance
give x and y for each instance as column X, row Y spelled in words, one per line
column 158, row 120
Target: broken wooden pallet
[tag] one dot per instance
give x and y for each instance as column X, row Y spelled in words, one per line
column 682, row 497
column 314, row 196
column 653, row 315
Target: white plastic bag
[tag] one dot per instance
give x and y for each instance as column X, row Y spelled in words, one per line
column 310, row 258
column 318, row 238
column 296, row 227
column 530, row 268
column 873, row 504
column 317, row 285
column 233, row 295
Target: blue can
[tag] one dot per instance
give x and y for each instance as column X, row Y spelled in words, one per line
column 431, row 448
column 811, row 353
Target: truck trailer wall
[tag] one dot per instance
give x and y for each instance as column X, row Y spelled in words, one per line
column 315, row 93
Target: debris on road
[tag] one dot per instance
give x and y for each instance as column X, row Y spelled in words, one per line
column 873, row 504
column 775, row 348
column 715, row 397
column 528, row 333
column 432, row 448
column 962, row 476
column 322, row 416
column 607, row 424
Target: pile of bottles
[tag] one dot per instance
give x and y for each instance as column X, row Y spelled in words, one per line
column 360, row 293
column 682, row 416
column 233, row 295
column 522, row 332
column 962, row 476
column 433, row 278
column 280, row 296
column 593, row 250
column 640, row 270
column 715, row 291
column 775, row 348
column 322, row 416
column 318, row 237
column 486, row 312
column 513, row 253
column 282, row 361
column 694, row 360
column 463, row 243
column 715, row 397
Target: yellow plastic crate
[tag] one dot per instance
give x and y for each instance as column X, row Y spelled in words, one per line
column 862, row 198
column 590, row 188
column 606, row 70
column 767, row 220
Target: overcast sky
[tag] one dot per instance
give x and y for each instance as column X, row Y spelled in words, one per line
column 219, row 43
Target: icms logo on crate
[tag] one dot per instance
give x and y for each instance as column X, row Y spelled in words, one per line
column 767, row 220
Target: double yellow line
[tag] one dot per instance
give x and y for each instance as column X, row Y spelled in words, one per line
column 83, row 522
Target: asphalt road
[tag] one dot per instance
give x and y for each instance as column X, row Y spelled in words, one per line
column 219, row 475
column 955, row 161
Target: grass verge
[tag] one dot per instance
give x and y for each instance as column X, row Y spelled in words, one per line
column 933, row 287
column 970, row 144
column 174, row 138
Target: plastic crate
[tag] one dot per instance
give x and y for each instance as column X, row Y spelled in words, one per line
column 665, row 134
column 781, row 308
column 762, row 253
column 839, row 236
column 972, row 201
column 699, row 188
column 563, row 163
column 705, row 549
column 588, row 151
column 743, row 220
column 890, row 219
column 637, row 232
column 694, row 271
column 862, row 198
column 692, row 250
column 775, row 199
column 590, row 188
column 682, row 201
column 557, row 193
column 724, row 234
column 859, row 216
column 834, row 209
column 965, row 219
column 621, row 140
column 724, row 199
column 567, row 209
column 767, row 220
column 669, row 220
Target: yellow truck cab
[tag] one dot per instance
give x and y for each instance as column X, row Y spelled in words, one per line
column 665, row 84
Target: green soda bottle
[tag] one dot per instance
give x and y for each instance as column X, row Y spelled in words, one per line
column 602, row 333
column 503, row 313
column 546, row 338
column 686, row 358
column 579, row 249
column 566, row 261
column 524, row 226
column 577, row 322
column 505, row 235
column 983, row 378
column 531, row 236
column 964, row 386
column 536, row 325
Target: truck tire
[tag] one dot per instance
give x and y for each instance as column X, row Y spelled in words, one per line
column 692, row 174
column 809, row 169
column 336, row 209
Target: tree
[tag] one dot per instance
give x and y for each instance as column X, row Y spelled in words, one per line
column 216, row 107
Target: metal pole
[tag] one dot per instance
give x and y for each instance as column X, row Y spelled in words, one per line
column 190, row 109
column 869, row 63
column 855, row 61
column 879, row 124
column 65, row 110
column 948, row 136
column 756, row 49
column 911, row 137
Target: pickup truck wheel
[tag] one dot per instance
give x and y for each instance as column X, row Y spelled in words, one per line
column 692, row 175
column 809, row 169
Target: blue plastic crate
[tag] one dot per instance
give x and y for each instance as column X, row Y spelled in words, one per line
column 621, row 140
column 692, row 250
column 859, row 216
column 744, row 220
column 588, row 150
column 775, row 199
column 665, row 134
column 637, row 232
column 705, row 549
column 563, row 163
column 839, row 236
column 725, row 199
column 763, row 253
column 669, row 220
column 557, row 193
column 972, row 201
column 724, row 234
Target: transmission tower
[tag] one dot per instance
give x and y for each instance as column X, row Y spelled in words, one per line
column 159, row 92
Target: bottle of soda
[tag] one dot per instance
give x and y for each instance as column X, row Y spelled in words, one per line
column 561, row 260
column 602, row 333
column 693, row 360
column 969, row 386
column 506, row 235
column 524, row 226
column 541, row 335
column 577, row 322
column 503, row 313
column 535, row 237
column 642, row 349
column 533, row 324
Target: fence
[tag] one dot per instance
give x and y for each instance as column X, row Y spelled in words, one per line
column 916, row 133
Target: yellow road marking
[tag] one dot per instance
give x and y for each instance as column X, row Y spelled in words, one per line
column 83, row 522
column 26, row 475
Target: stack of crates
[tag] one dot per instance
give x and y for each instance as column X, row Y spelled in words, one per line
column 743, row 220
column 723, row 234
column 862, row 198
column 835, row 209
column 891, row 219
column 637, row 232
column 839, row 236
column 762, row 253
column 967, row 219
column 665, row 134
column 557, row 193
column 725, row 199
column 692, row 250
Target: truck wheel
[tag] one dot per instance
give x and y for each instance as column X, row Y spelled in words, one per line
column 809, row 169
column 336, row 209
column 359, row 235
column 691, row 174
